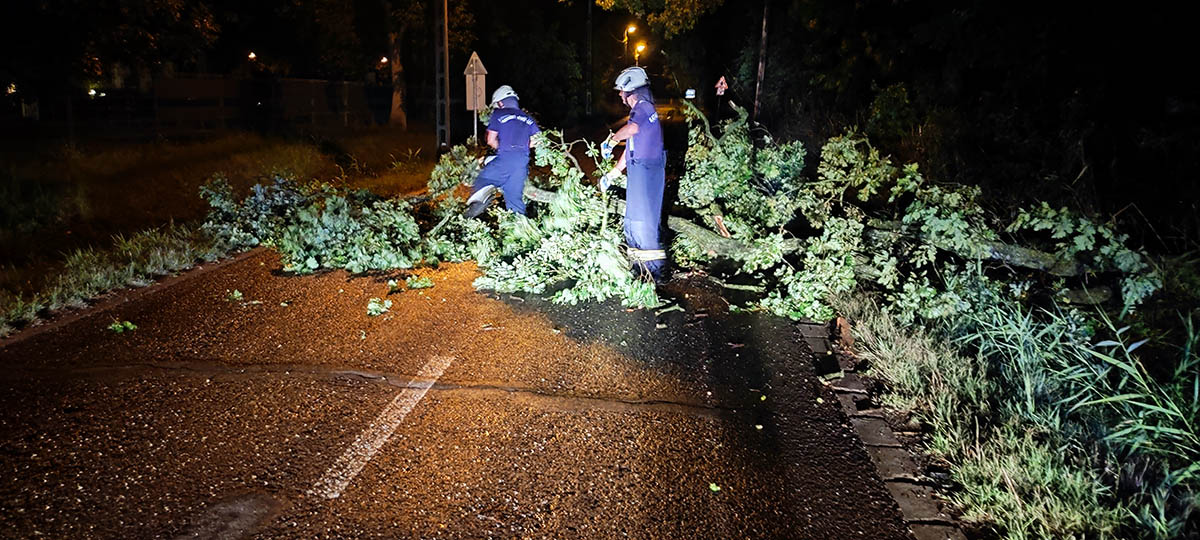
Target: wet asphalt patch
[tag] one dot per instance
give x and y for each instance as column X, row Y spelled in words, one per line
column 215, row 419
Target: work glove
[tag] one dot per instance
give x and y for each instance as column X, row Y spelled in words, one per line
column 609, row 178
column 606, row 148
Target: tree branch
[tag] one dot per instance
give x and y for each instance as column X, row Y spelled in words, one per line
column 729, row 248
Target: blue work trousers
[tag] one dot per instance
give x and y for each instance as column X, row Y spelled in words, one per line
column 507, row 172
column 643, row 210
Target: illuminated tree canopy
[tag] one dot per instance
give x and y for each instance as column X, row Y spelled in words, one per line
column 671, row 17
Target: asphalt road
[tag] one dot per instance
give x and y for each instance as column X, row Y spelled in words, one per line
column 290, row 413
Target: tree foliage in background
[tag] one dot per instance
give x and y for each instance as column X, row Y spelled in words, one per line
column 1051, row 103
column 671, row 17
column 60, row 41
column 536, row 48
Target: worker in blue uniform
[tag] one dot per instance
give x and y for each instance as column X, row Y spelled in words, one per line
column 509, row 132
column 645, row 164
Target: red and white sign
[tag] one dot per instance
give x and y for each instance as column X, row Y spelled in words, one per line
column 722, row 86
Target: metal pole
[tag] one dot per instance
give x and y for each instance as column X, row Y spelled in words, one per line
column 474, row 90
column 587, row 106
column 446, row 63
column 441, row 72
column 439, row 121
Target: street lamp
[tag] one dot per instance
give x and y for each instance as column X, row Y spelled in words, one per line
column 252, row 56
column 637, row 52
column 625, row 40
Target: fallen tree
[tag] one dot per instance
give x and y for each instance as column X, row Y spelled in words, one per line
column 720, row 246
column 862, row 221
column 928, row 254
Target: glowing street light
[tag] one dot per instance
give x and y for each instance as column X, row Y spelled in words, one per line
column 252, row 56
column 383, row 60
column 637, row 52
column 625, row 40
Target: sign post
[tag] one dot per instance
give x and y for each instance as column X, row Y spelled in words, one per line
column 476, row 90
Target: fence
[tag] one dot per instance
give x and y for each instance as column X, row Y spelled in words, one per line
column 190, row 106
column 202, row 104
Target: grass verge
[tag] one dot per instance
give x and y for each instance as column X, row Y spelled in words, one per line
column 133, row 261
column 1046, row 434
column 54, row 200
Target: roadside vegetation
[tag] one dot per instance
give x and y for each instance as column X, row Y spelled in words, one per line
column 1053, row 364
column 53, row 202
column 76, row 222
column 1030, row 343
column 133, row 261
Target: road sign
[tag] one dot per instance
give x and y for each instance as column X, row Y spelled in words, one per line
column 476, row 83
column 722, row 86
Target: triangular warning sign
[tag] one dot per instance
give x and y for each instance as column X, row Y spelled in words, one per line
column 475, row 65
column 722, row 86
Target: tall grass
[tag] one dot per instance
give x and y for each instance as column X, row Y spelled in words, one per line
column 133, row 261
column 54, row 200
column 1153, row 423
column 1048, row 434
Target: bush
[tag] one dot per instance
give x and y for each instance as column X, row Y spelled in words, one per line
column 1061, row 440
column 316, row 227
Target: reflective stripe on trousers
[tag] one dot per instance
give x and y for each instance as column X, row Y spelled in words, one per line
column 643, row 214
column 507, row 172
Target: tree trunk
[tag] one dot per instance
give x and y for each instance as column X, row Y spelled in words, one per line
column 398, row 116
column 729, row 248
column 762, row 62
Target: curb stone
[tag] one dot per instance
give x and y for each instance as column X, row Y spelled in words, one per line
column 922, row 509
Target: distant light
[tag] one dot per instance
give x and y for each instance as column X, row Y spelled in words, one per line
column 252, row 56
column 92, row 92
column 690, row 93
column 102, row 94
column 383, row 60
column 641, row 46
column 12, row 89
column 631, row 29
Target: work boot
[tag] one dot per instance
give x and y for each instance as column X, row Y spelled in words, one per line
column 662, row 276
column 479, row 201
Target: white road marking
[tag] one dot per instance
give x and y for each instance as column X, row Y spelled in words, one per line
column 368, row 443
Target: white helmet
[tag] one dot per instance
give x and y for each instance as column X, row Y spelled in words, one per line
column 502, row 93
column 632, row 78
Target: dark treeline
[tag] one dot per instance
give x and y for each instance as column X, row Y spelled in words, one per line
column 1085, row 104
column 1090, row 105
